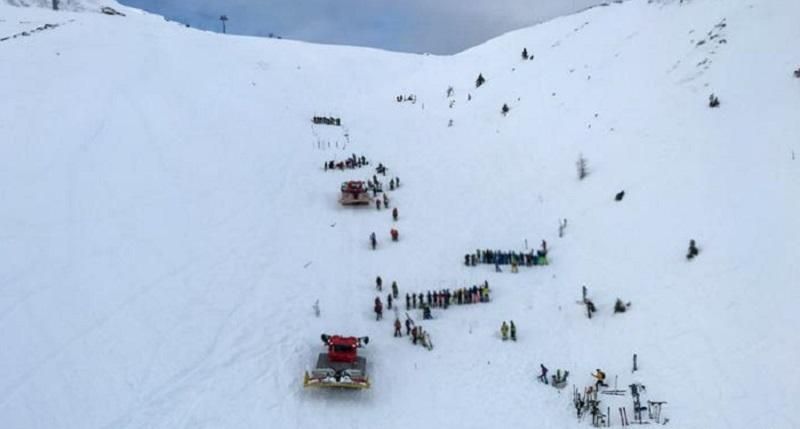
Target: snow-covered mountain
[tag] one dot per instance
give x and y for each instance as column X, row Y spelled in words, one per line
column 167, row 225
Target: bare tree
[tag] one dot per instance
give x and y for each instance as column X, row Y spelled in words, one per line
column 224, row 19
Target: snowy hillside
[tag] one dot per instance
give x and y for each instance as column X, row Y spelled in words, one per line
column 167, row 223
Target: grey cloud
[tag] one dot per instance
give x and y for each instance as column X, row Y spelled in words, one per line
column 436, row 26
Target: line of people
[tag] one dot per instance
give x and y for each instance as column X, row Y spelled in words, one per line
column 350, row 163
column 513, row 258
column 445, row 297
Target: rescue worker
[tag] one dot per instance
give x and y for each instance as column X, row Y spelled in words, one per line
column 397, row 328
column 504, row 331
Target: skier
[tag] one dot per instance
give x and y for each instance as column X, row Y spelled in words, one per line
column 543, row 374
column 504, row 331
column 373, row 240
column 693, row 251
column 397, row 328
column 395, row 291
column 600, row 376
column 378, row 308
column 512, row 330
column 379, row 283
column 394, row 214
column 389, row 301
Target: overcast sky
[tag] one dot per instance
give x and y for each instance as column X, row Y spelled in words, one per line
column 435, row 26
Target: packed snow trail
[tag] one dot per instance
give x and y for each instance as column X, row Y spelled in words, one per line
column 167, row 225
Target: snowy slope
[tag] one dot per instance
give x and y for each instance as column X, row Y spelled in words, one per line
column 167, row 225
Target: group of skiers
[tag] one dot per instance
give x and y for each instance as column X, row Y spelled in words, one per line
column 417, row 334
column 350, row 163
column 444, row 298
column 515, row 259
column 390, row 298
column 558, row 379
column 508, row 330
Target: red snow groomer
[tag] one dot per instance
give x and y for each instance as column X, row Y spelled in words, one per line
column 341, row 366
column 354, row 192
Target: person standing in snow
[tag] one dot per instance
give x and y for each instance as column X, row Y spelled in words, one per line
column 504, row 331
column 397, row 328
column 414, row 300
column 377, row 203
column 693, row 251
column 409, row 324
column 385, row 201
column 395, row 291
column 379, row 283
column 378, row 308
column 394, row 214
column 408, row 302
column 373, row 240
column 389, row 301
column 512, row 330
